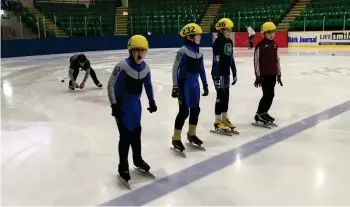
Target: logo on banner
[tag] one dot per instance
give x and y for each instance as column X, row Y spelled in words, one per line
column 301, row 39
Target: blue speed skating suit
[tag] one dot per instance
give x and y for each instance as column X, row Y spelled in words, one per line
column 125, row 86
column 187, row 68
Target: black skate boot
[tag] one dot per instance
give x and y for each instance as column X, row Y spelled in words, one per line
column 144, row 168
column 71, row 88
column 99, row 85
column 124, row 176
column 195, row 141
column 260, row 120
column 178, row 147
column 268, row 117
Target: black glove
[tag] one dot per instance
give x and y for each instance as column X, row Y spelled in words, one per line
column 234, row 79
column 279, row 80
column 217, row 84
column 116, row 110
column 257, row 82
column 175, row 92
column 206, row 90
column 152, row 107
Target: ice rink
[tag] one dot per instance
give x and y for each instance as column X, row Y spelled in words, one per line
column 60, row 148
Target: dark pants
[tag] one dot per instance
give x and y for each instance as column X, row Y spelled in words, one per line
column 92, row 74
column 188, row 106
column 268, row 87
column 250, row 41
column 127, row 138
column 222, row 99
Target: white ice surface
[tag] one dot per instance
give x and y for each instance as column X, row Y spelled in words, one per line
column 60, row 148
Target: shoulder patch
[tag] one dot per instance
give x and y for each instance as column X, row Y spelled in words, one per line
column 178, row 55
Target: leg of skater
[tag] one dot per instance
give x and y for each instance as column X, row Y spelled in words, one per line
column 94, row 78
column 73, row 74
column 194, row 114
column 263, row 101
column 123, row 149
column 225, row 102
column 270, row 84
column 181, row 117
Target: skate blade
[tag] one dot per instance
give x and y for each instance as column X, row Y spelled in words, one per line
column 124, row 182
column 221, row 132
column 148, row 174
column 233, row 131
column 261, row 125
column 196, row 146
column 182, row 154
column 273, row 124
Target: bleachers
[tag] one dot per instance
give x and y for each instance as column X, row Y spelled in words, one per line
column 332, row 11
column 76, row 16
column 253, row 12
column 163, row 16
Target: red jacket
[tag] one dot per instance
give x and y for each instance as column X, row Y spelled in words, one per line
column 266, row 59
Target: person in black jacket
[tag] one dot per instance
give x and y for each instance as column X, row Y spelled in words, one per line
column 223, row 61
column 267, row 70
column 76, row 62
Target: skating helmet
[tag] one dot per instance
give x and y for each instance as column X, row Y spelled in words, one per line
column 224, row 23
column 190, row 29
column 137, row 41
column 267, row 27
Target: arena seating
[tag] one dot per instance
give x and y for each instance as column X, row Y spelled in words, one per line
column 253, row 12
column 332, row 10
column 163, row 16
column 73, row 16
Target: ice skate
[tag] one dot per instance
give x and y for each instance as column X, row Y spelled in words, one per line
column 195, row 141
column 124, row 177
column 178, row 147
column 232, row 127
column 221, row 128
column 260, row 121
column 270, row 119
column 99, row 85
column 71, row 89
column 144, row 168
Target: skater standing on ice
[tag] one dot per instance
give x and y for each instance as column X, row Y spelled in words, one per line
column 223, row 61
column 124, row 92
column 187, row 68
column 267, row 70
column 76, row 62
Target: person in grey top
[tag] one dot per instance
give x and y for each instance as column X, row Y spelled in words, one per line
column 76, row 62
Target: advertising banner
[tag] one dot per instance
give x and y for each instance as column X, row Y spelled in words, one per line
column 241, row 39
column 323, row 39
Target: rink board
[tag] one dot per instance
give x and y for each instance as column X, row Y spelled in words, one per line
column 319, row 39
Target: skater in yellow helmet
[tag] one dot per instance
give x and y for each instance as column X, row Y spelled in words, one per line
column 267, row 70
column 223, row 62
column 124, row 92
column 188, row 66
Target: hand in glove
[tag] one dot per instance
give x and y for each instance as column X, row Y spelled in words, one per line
column 206, row 90
column 234, row 79
column 116, row 110
column 82, row 85
column 175, row 92
column 257, row 82
column 152, row 106
column 217, row 84
column 279, row 80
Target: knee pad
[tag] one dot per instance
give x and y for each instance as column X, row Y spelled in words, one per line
column 195, row 111
column 184, row 112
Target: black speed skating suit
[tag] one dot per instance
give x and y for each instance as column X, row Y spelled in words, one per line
column 80, row 61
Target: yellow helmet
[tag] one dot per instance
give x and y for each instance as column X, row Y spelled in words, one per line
column 137, row 41
column 268, row 26
column 224, row 23
column 190, row 29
